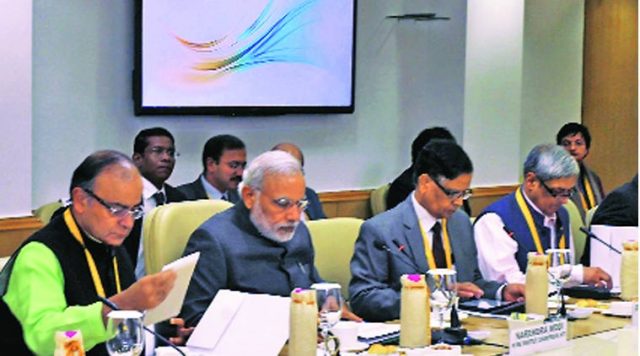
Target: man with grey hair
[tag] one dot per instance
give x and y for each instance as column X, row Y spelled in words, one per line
column 258, row 245
column 532, row 219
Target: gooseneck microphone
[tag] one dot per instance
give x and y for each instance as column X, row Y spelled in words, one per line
column 113, row 306
column 593, row 236
column 400, row 256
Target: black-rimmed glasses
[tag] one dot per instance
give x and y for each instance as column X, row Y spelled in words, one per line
column 558, row 192
column 454, row 194
column 117, row 210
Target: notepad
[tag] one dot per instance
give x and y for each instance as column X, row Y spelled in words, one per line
column 170, row 307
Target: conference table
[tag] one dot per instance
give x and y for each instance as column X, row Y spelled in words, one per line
column 578, row 331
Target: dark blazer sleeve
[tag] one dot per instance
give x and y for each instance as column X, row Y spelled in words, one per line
column 173, row 194
column 209, row 276
column 314, row 209
column 400, row 188
column 193, row 190
column 373, row 295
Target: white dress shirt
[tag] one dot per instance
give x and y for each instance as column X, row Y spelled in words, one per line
column 496, row 249
column 148, row 202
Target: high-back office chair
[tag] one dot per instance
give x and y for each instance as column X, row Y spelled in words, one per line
column 167, row 228
column 45, row 212
column 579, row 237
column 378, row 199
column 333, row 241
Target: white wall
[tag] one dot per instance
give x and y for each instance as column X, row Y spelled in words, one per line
column 409, row 75
column 15, row 101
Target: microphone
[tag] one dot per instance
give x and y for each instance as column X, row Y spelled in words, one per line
column 593, row 236
column 401, row 257
column 113, row 306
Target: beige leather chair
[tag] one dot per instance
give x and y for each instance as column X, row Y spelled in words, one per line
column 333, row 241
column 378, row 199
column 45, row 212
column 579, row 237
column 167, row 228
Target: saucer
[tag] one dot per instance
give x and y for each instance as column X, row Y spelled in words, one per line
column 357, row 346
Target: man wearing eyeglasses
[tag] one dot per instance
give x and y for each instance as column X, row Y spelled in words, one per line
column 224, row 158
column 424, row 232
column 532, row 219
column 154, row 153
column 55, row 280
column 257, row 246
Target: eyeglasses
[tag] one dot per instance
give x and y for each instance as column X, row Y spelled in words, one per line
column 236, row 164
column 454, row 194
column 558, row 192
column 286, row 203
column 118, row 210
column 159, row 151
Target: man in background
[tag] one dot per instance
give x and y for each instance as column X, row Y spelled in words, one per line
column 154, row 153
column 425, row 232
column 575, row 138
column 532, row 219
column 223, row 159
column 314, row 208
column 405, row 183
column 55, row 280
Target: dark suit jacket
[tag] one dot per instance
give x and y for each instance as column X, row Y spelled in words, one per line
column 314, row 209
column 195, row 191
column 132, row 242
column 375, row 283
column 619, row 208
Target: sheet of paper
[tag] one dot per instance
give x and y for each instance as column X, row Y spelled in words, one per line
column 243, row 324
column 605, row 258
column 170, row 307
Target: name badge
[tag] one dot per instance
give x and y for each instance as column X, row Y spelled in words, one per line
column 541, row 337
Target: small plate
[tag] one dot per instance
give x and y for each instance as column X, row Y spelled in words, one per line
column 358, row 346
column 479, row 334
column 579, row 313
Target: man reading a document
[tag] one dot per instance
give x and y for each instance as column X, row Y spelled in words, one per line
column 55, row 280
column 259, row 245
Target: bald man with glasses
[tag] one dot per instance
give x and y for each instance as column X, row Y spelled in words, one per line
column 532, row 219
column 428, row 230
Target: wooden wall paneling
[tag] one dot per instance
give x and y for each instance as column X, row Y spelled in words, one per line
column 14, row 231
column 610, row 88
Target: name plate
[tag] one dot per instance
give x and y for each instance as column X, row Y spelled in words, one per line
column 541, row 337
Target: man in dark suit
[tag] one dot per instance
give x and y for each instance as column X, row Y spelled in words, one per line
column 426, row 231
column 223, row 159
column 314, row 208
column 619, row 208
column 154, row 153
column 405, row 183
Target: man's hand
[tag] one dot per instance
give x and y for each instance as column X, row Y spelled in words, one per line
column 348, row 314
column 469, row 290
column 182, row 333
column 146, row 293
column 596, row 276
column 513, row 292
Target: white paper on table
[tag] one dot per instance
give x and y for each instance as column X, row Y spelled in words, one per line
column 602, row 256
column 238, row 323
column 170, row 307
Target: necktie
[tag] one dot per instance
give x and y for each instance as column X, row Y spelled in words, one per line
column 438, row 250
column 159, row 198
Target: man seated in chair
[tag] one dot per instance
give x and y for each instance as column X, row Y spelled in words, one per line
column 154, row 153
column 55, row 280
column 223, row 160
column 532, row 219
column 314, row 208
column 426, row 231
column 257, row 246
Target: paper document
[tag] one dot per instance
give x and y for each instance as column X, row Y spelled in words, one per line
column 170, row 307
column 602, row 256
column 237, row 323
